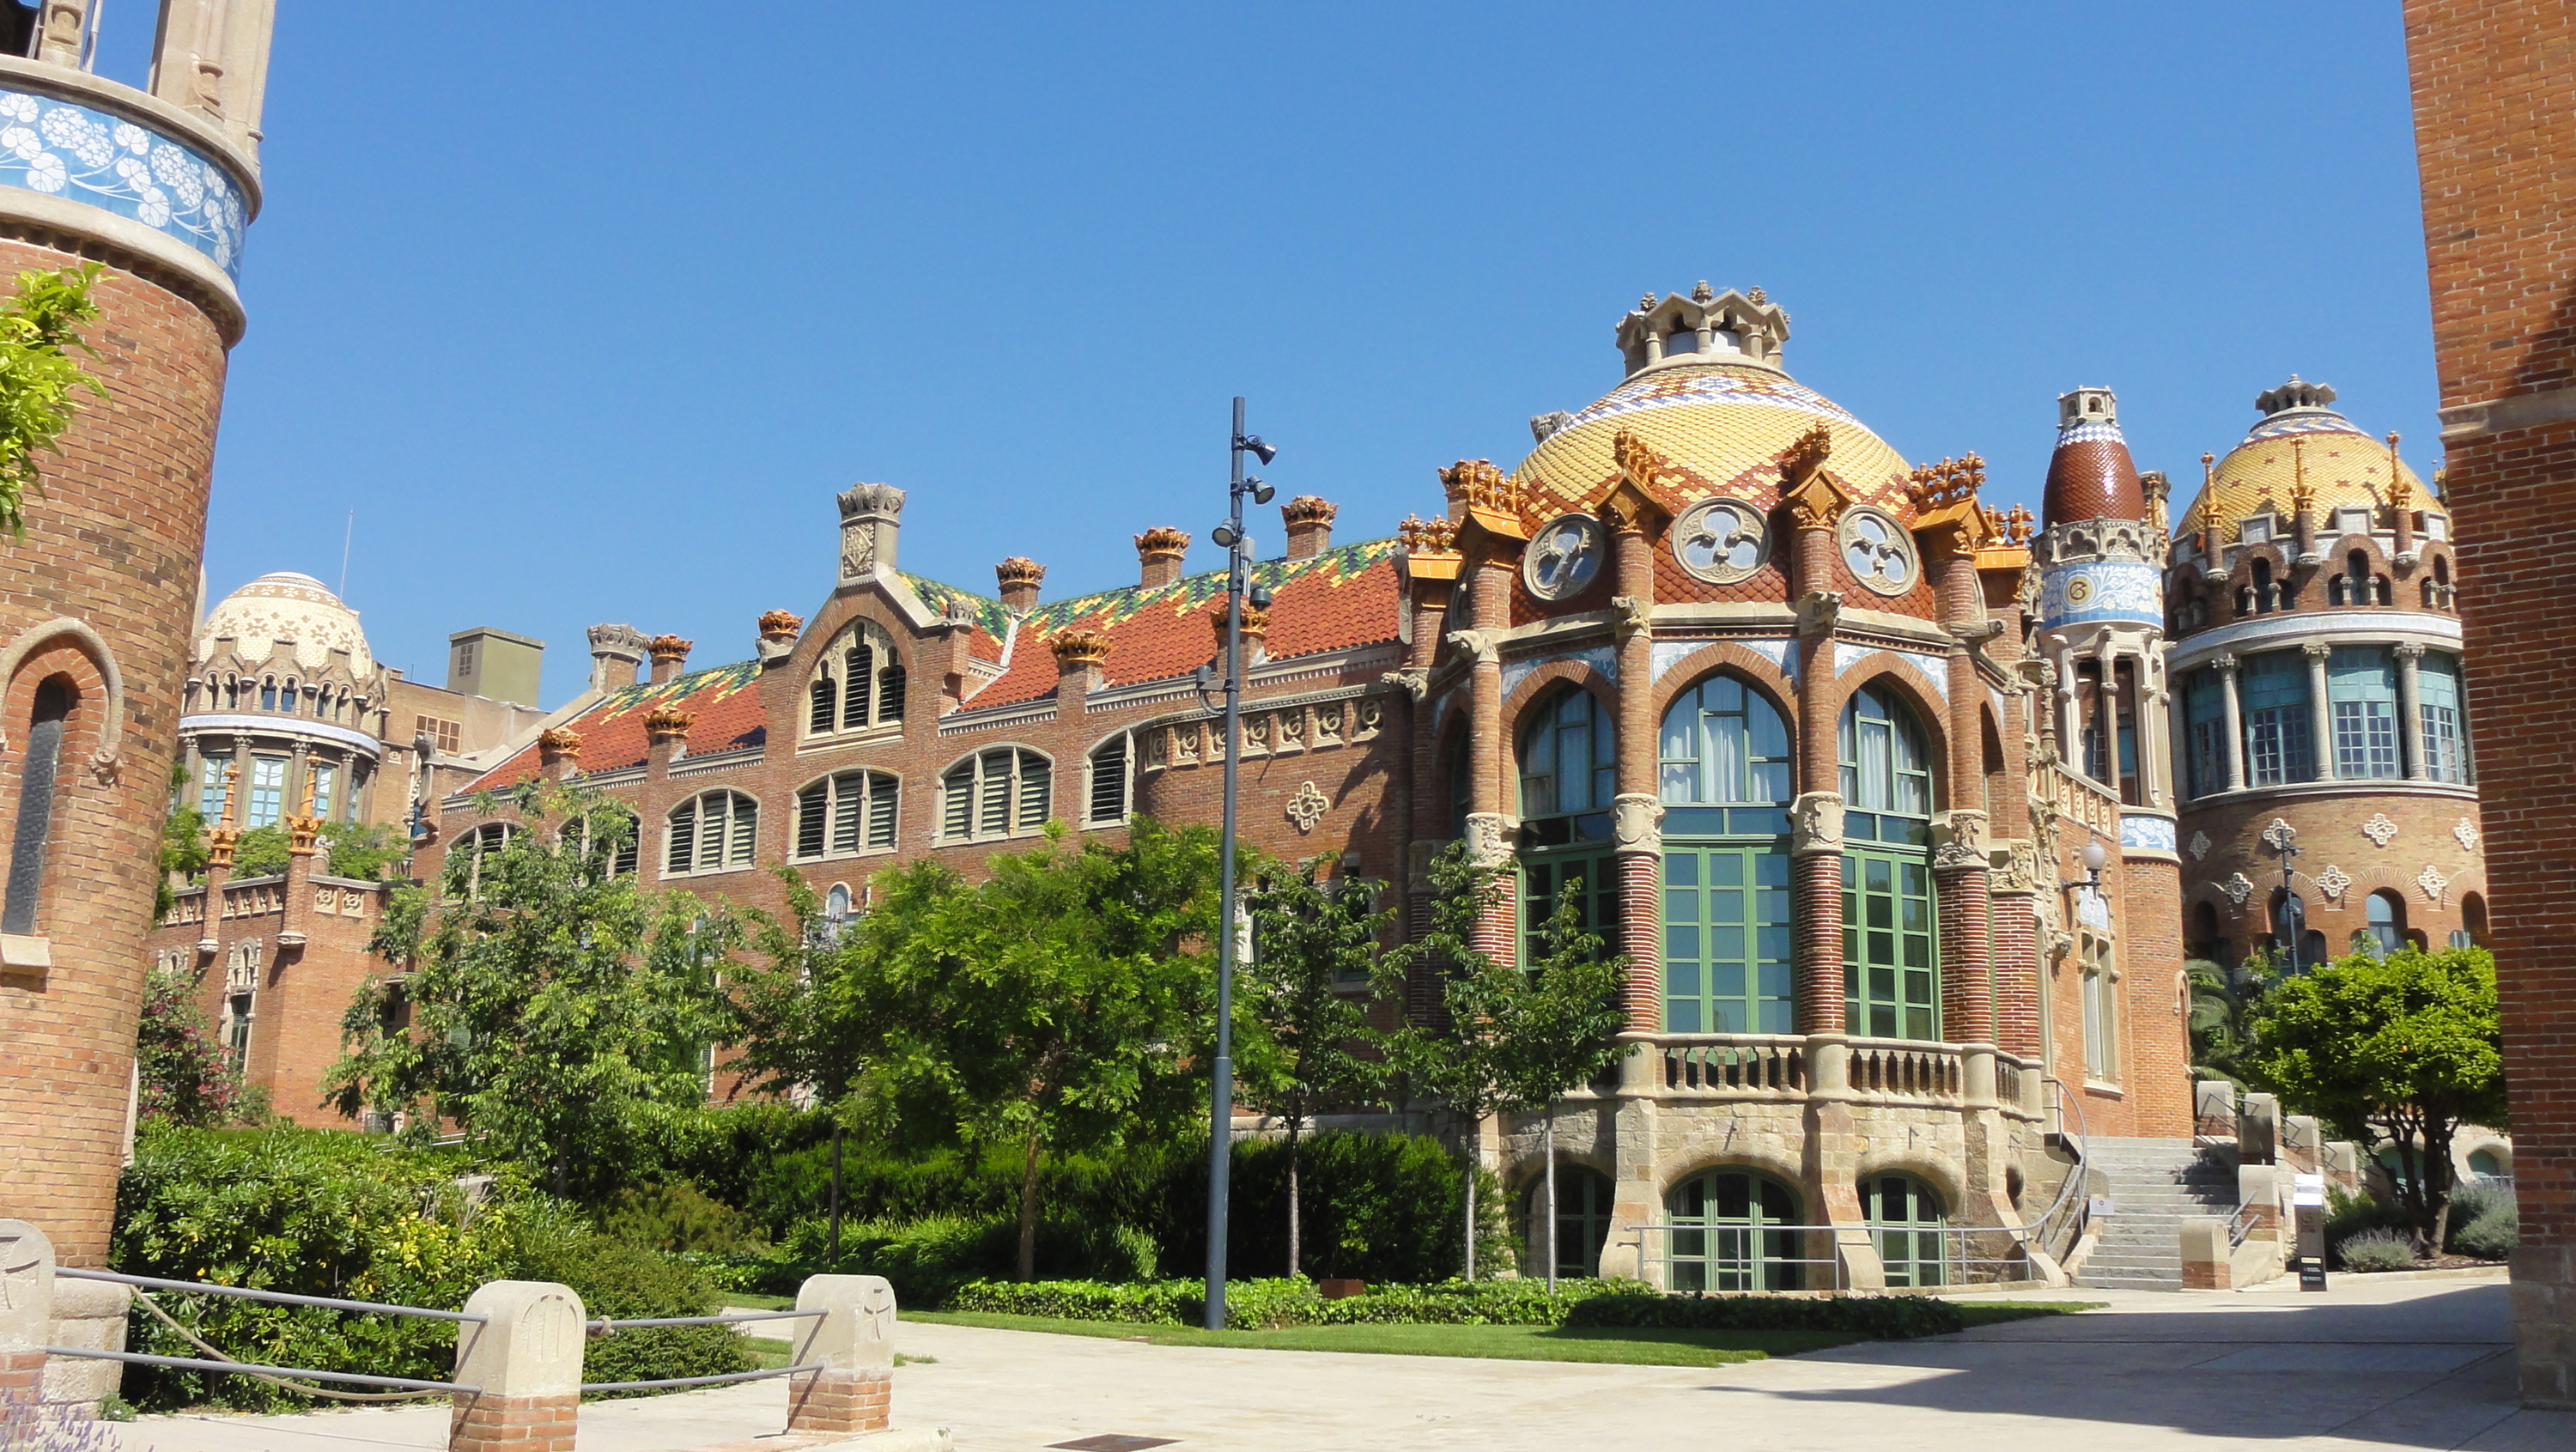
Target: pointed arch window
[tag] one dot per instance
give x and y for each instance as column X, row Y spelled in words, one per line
column 609, row 838
column 857, row 686
column 1891, row 971
column 846, row 814
column 713, row 832
column 1725, row 782
column 38, row 765
column 1003, row 792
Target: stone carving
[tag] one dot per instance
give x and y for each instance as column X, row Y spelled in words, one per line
column 1489, row 839
column 1307, row 808
column 106, row 767
column 1545, row 426
column 2279, row 835
column 2013, row 865
column 2432, row 881
column 2467, row 833
column 1637, row 822
column 1818, row 611
column 668, row 721
column 1959, row 841
column 1415, row 680
column 1634, row 614
column 1484, row 645
column 2199, row 845
column 2333, row 881
column 2379, row 829
column 780, row 624
column 2060, row 943
column 1433, row 536
column 1079, row 648
column 858, row 550
column 1877, row 550
column 1816, row 823
column 1721, row 540
column 1477, row 484
column 2238, row 888
column 1565, row 558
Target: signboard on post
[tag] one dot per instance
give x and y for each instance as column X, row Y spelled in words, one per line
column 2308, row 1210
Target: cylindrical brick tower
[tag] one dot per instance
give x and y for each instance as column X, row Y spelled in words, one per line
column 97, row 600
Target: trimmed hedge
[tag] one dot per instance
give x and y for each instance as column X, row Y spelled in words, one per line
column 1260, row 1305
column 1886, row 1318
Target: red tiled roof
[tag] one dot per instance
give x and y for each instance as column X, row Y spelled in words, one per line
column 725, row 700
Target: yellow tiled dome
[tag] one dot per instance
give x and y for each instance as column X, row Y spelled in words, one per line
column 2343, row 466
column 1723, row 423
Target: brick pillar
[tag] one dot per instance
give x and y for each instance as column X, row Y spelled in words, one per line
column 1491, row 821
column 1816, row 819
column 26, row 1307
column 526, row 1358
column 1638, row 813
column 2015, row 931
column 1959, row 861
column 854, row 1343
column 1431, row 571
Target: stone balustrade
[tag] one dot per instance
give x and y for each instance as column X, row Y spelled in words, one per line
column 1792, row 1068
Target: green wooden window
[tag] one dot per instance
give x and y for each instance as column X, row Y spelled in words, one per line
column 1891, row 977
column 2437, row 693
column 1582, row 1222
column 1727, row 959
column 1733, row 1230
column 1593, row 877
column 1905, row 1218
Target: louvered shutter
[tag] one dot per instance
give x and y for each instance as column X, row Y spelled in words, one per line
column 812, row 817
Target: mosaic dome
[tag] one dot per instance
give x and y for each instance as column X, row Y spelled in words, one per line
column 1724, row 425
column 2298, row 434
column 286, row 607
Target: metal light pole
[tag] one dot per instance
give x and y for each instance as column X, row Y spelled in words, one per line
column 2294, row 916
column 1239, row 590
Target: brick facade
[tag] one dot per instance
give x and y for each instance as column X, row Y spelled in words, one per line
column 2495, row 124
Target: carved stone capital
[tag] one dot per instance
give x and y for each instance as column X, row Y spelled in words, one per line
column 1818, row 611
column 1637, row 822
column 2316, row 649
column 1636, row 614
column 1959, row 842
column 1484, row 645
column 2225, row 665
column 1416, row 680
column 1816, row 824
column 2408, row 650
column 1489, row 839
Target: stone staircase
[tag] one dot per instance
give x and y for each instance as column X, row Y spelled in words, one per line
column 2153, row 1184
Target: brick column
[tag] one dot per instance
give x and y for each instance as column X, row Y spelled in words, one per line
column 1638, row 815
column 1431, row 568
column 1491, row 820
column 854, row 1343
column 1816, row 818
column 526, row 1358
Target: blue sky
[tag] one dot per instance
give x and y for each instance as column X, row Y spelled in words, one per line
column 589, row 308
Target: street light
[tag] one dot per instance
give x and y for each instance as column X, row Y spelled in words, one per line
column 1239, row 591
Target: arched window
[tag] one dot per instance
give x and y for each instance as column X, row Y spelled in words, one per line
column 1582, row 1222
column 2386, row 912
column 1107, row 806
column 2473, row 921
column 268, row 693
column 2356, row 573
column 2437, row 700
column 266, row 799
column 2486, row 1165
column 714, row 832
column 1733, row 1230
column 1905, row 1218
column 2273, row 695
column 846, row 814
column 1891, row 977
column 471, row 850
column 2361, row 687
column 1569, row 773
column 608, row 838
column 997, row 793
column 1462, row 790
column 39, row 762
column 1725, row 780
column 858, row 684
column 2203, row 941
column 2262, row 586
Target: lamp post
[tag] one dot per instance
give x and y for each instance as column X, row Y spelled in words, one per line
column 2294, row 917
column 1239, row 591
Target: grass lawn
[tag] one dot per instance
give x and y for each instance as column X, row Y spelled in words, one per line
column 1995, row 1313
column 1503, row 1343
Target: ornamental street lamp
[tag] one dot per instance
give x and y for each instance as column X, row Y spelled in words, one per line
column 1240, row 591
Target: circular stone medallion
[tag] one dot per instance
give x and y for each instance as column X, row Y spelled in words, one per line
column 1564, row 557
column 1721, row 540
column 1877, row 550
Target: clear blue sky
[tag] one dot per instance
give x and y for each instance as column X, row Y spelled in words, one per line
column 589, row 308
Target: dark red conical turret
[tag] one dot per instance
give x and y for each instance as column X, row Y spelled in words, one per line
column 2091, row 475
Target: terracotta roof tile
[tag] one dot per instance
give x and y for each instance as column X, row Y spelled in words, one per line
column 724, row 699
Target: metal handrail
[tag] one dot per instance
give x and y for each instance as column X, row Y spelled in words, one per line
column 605, row 1326
column 192, row 1363
column 328, row 1303
column 1741, row 1264
column 2070, row 1192
column 2240, row 1225
column 605, row 1386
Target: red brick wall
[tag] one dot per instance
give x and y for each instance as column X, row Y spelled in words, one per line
column 114, row 542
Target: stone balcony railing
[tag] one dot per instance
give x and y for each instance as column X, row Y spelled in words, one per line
column 1794, row 1068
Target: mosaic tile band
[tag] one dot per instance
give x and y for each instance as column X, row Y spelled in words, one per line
column 2152, row 834
column 2102, row 590
column 67, row 150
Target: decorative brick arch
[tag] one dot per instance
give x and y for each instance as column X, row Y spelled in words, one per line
column 1920, row 693
column 1535, row 687
column 68, row 647
column 1728, row 657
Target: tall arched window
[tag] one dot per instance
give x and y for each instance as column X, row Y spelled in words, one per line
column 1725, row 784
column 608, row 838
column 1891, row 973
column 846, row 814
column 31, row 843
column 1905, row 1218
column 2437, row 700
column 1582, row 1222
column 714, row 832
column 2386, row 913
column 858, row 684
column 1733, row 1230
column 2473, row 922
column 475, row 846
column 997, row 793
column 1569, row 773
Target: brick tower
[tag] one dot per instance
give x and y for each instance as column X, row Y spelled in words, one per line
column 96, row 601
column 2495, row 122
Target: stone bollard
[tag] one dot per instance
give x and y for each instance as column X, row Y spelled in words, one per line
column 527, row 1360
column 2258, row 1130
column 854, row 1343
column 26, row 1308
column 2204, row 1253
column 2302, row 1142
column 2213, row 1108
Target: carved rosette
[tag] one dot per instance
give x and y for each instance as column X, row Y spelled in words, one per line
column 2238, row 888
column 1307, row 808
column 1489, row 839
column 1637, row 822
column 1959, row 842
column 1816, row 824
column 2333, row 881
column 665, row 722
column 1076, row 648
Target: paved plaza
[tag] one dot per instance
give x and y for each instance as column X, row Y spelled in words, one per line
column 2369, row 1365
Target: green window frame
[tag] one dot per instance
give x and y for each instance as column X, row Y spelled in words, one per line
column 1733, row 1230
column 2437, row 694
column 2361, row 689
column 1569, row 767
column 1905, row 1218
column 1891, row 952
column 1595, row 874
column 1728, row 962
column 1583, row 1197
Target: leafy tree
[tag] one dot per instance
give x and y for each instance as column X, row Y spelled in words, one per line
column 184, row 1076
column 183, row 843
column 2223, row 1003
column 2404, row 1048
column 361, row 851
column 554, row 1009
column 1315, row 938
column 38, row 376
column 1563, row 1024
column 261, row 852
column 814, row 1015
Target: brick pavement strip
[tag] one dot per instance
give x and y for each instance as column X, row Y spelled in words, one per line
column 2369, row 1365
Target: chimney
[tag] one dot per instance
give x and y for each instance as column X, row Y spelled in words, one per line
column 778, row 632
column 616, row 656
column 1310, row 526
column 1159, row 551
column 1079, row 655
column 667, row 732
column 870, row 514
column 1256, row 629
column 668, row 652
column 558, row 752
column 1020, row 578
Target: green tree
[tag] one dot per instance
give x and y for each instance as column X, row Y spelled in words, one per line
column 38, row 377
column 2224, row 1001
column 2404, row 1048
column 183, row 843
column 1315, row 949
column 1562, row 1025
column 182, row 1073
column 358, row 850
column 554, row 1009
column 261, row 852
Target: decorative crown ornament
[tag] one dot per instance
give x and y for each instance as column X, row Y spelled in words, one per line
column 1256, row 623
column 668, row 648
column 1019, row 570
column 558, row 741
column 668, row 721
column 1477, row 484
column 1162, row 541
column 1079, row 647
column 1952, row 481
column 1427, row 536
column 780, row 625
column 861, row 499
column 1308, row 509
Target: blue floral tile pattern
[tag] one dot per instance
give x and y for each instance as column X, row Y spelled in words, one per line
column 2153, row 834
column 2101, row 590
column 68, row 150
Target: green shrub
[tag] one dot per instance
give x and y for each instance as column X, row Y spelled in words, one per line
column 2484, row 1220
column 1254, row 1305
column 2376, row 1250
column 1890, row 1318
column 926, row 1260
column 680, row 1217
column 2349, row 1214
column 2473, row 1198
column 620, row 1280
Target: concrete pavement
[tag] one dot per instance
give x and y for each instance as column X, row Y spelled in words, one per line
column 2370, row 1365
